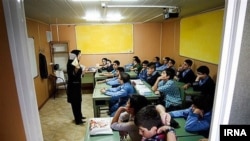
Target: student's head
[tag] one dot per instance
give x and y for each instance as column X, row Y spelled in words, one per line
column 135, row 103
column 156, row 59
column 124, row 77
column 187, row 64
column 166, row 60
column 104, row 61
column 134, row 57
column 171, row 62
column 119, row 70
column 109, row 62
column 151, row 68
column 148, row 121
column 203, row 70
column 169, row 73
column 116, row 64
column 137, row 61
column 202, row 102
column 145, row 64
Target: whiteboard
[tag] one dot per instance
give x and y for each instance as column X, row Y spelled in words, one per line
column 32, row 57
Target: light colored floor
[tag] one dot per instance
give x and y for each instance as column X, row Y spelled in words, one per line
column 57, row 118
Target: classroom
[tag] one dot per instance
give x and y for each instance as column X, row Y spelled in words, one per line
column 149, row 40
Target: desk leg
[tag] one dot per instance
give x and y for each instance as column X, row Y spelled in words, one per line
column 95, row 108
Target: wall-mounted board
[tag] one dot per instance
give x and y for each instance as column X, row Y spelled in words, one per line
column 32, row 57
column 105, row 39
column 201, row 36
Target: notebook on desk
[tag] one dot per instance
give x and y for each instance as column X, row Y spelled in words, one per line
column 100, row 126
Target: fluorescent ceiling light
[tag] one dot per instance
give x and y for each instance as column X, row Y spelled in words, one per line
column 97, row 17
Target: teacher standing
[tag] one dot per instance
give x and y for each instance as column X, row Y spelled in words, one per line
column 74, row 94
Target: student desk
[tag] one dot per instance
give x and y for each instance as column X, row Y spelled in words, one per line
column 190, row 138
column 101, row 99
column 99, row 76
column 149, row 95
column 188, row 92
column 114, row 137
column 181, row 132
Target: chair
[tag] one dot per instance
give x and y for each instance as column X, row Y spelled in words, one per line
column 59, row 81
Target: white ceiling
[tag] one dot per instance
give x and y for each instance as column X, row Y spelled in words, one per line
column 69, row 12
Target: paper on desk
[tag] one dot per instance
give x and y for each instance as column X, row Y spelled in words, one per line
column 100, row 126
column 142, row 89
column 137, row 81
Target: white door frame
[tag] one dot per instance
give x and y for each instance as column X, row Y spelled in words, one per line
column 17, row 36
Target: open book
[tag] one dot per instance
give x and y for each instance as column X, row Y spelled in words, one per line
column 100, row 126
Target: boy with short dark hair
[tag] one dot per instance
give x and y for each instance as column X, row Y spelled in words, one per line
column 148, row 120
column 152, row 74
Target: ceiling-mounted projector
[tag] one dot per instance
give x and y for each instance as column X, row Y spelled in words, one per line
column 170, row 13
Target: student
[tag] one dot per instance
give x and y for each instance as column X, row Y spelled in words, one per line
column 119, row 95
column 148, row 120
column 115, row 65
column 74, row 94
column 128, row 66
column 143, row 73
column 204, row 83
column 198, row 116
column 171, row 63
column 157, row 62
column 109, row 66
column 165, row 85
column 185, row 74
column 136, row 66
column 114, row 82
column 123, row 120
column 164, row 65
column 152, row 74
column 104, row 63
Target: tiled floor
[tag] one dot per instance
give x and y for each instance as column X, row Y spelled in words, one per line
column 57, row 118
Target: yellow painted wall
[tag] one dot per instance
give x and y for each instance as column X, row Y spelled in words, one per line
column 105, row 39
column 200, row 36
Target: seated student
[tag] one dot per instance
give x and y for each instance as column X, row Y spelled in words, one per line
column 157, row 62
column 120, row 94
column 152, row 74
column 164, row 65
column 165, row 85
column 198, row 116
column 204, row 83
column 115, row 65
column 136, row 66
column 114, row 82
column 143, row 73
column 171, row 64
column 185, row 73
column 148, row 120
column 123, row 120
column 128, row 66
column 109, row 66
column 104, row 63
